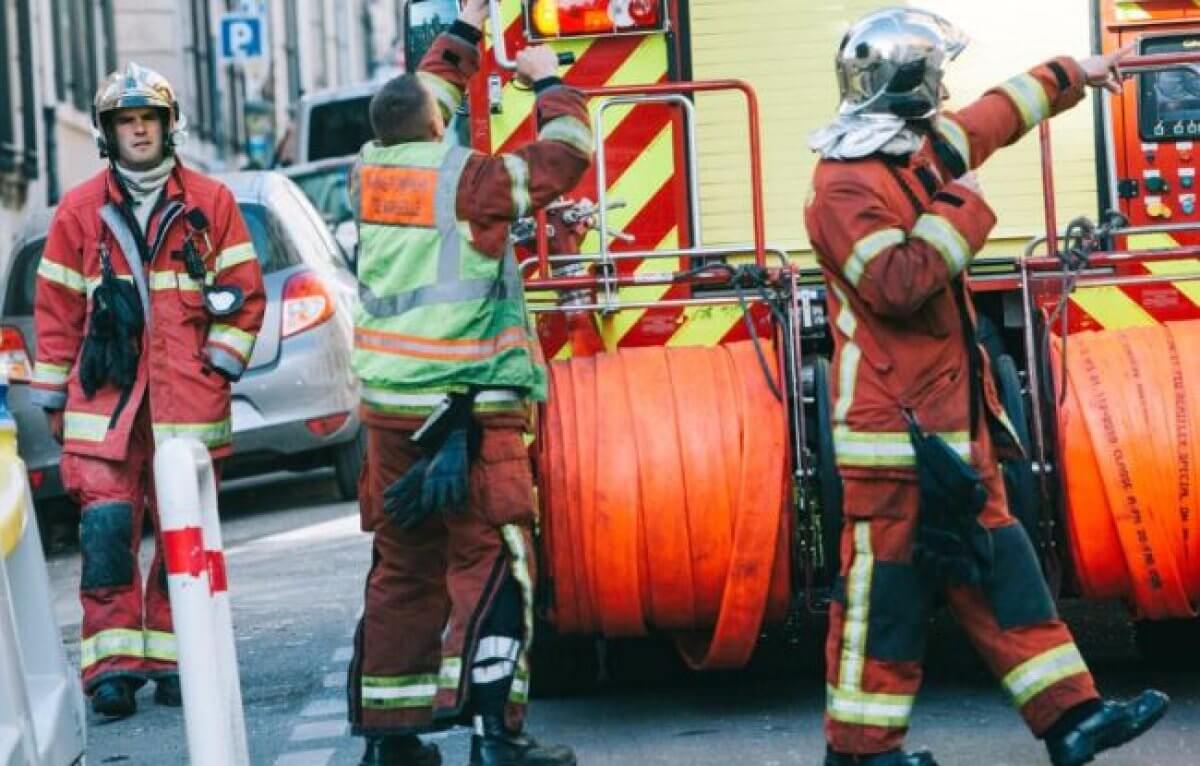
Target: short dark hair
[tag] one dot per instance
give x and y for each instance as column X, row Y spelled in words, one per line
column 400, row 111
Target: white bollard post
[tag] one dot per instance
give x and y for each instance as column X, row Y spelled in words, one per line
column 208, row 671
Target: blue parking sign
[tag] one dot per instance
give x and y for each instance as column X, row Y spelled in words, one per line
column 242, row 36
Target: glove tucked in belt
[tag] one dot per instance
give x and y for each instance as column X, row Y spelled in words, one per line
column 112, row 346
column 950, row 544
column 439, row 481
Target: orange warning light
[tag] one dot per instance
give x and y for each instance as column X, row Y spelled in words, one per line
column 592, row 18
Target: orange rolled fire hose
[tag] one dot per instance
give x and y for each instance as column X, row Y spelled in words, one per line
column 1129, row 441
column 665, row 485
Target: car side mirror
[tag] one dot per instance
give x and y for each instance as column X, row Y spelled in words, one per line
column 346, row 234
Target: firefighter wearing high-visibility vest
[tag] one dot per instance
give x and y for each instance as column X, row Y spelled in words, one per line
column 449, row 366
column 896, row 217
column 149, row 299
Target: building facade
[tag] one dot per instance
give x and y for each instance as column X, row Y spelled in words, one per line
column 55, row 53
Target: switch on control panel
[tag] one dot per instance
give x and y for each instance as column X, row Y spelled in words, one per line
column 1156, row 208
column 1155, row 183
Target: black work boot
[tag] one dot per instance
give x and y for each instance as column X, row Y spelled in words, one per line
column 167, row 691
column 890, row 758
column 407, row 750
column 1111, row 724
column 500, row 747
column 114, row 698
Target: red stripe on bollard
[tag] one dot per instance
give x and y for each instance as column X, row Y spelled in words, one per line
column 184, row 551
column 218, row 582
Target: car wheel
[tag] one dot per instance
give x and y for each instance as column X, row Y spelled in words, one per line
column 562, row 666
column 1019, row 480
column 829, row 481
column 347, row 464
column 1168, row 644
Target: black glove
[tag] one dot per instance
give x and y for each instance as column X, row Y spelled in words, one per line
column 446, row 478
column 402, row 500
column 440, row 480
column 950, row 545
column 114, row 335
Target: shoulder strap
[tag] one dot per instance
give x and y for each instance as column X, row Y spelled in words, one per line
column 958, row 288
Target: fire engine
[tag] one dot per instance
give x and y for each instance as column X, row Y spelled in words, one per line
column 685, row 459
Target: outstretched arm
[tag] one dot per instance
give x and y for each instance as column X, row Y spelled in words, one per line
column 1007, row 112
column 454, row 58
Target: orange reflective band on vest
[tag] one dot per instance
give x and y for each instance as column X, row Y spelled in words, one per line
column 399, row 196
column 437, row 348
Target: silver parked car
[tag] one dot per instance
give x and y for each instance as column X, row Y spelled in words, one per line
column 326, row 184
column 296, row 406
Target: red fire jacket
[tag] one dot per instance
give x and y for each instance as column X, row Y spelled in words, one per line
column 188, row 356
column 893, row 238
column 495, row 189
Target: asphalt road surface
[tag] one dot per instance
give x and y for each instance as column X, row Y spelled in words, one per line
column 296, row 564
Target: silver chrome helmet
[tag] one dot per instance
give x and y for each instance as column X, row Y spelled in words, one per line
column 131, row 87
column 891, row 62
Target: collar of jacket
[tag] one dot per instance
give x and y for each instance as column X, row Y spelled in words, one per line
column 172, row 191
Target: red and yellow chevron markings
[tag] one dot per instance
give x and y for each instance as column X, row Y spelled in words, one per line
column 1129, row 11
column 645, row 169
column 1118, row 307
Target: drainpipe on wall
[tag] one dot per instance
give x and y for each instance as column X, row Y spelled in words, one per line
column 292, row 29
column 50, row 123
column 29, row 133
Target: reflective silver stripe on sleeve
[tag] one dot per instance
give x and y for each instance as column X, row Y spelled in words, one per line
column 954, row 133
column 569, row 131
column 1027, row 92
column 47, row 374
column 946, row 239
column 448, row 96
column 866, row 249
column 61, row 275
column 235, row 256
column 518, row 171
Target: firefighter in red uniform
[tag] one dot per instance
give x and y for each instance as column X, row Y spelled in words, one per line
column 149, row 297
column 447, row 490
column 896, row 217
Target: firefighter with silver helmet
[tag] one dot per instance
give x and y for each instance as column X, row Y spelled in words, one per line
column 896, row 217
column 149, row 298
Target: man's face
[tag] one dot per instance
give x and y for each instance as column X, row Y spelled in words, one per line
column 139, row 135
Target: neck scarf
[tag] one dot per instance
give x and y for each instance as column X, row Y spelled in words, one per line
column 852, row 137
column 145, row 186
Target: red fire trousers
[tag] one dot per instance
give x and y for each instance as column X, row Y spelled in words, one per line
column 448, row 614
column 882, row 608
column 126, row 629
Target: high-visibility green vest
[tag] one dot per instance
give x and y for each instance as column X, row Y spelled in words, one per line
column 434, row 314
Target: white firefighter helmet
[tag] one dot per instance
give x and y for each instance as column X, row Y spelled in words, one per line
column 132, row 87
column 891, row 63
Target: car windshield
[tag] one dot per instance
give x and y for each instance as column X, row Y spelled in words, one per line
column 339, row 128
column 23, row 280
column 326, row 189
column 265, row 231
